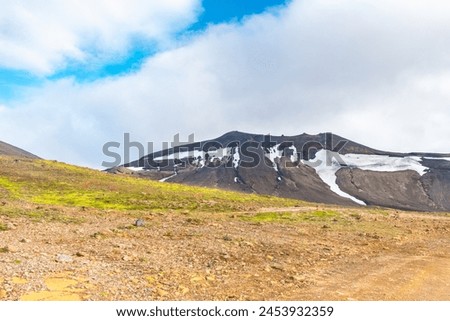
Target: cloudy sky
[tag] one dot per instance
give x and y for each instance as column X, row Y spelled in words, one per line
column 76, row 74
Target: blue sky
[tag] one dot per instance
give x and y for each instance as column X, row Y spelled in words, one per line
column 77, row 74
column 216, row 11
column 14, row 81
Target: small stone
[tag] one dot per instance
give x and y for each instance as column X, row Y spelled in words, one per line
column 277, row 266
column 250, row 244
column 64, row 258
column 139, row 223
column 11, row 249
column 299, row 278
column 227, row 238
column 127, row 258
column 25, row 241
column 11, row 226
column 80, row 254
column 196, row 279
column 225, row 256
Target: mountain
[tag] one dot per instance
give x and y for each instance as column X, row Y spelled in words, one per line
column 9, row 150
column 324, row 168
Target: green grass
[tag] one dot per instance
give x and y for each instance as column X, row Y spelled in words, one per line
column 3, row 227
column 57, row 184
column 317, row 215
column 37, row 214
column 12, row 188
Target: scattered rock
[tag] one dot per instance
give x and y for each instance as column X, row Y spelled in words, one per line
column 127, row 258
column 227, row 238
column 277, row 266
column 139, row 223
column 225, row 256
column 249, row 244
column 80, row 254
column 11, row 226
column 25, row 241
column 196, row 279
column 64, row 258
column 12, row 249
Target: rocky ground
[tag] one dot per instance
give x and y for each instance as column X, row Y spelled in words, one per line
column 320, row 253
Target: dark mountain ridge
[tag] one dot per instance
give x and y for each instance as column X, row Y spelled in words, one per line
column 10, row 150
column 324, row 168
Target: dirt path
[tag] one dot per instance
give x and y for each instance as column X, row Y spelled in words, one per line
column 392, row 278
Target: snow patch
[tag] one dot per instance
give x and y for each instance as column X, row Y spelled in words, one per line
column 383, row 163
column 294, row 156
column 438, row 158
column 326, row 164
column 198, row 155
column 273, row 154
column 236, row 158
column 167, row 178
column 327, row 172
column 135, row 169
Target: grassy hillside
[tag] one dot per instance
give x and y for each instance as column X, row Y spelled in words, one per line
column 41, row 182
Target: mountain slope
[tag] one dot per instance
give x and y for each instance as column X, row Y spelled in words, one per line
column 320, row 168
column 9, row 150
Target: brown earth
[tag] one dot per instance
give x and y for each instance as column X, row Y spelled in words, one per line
column 273, row 254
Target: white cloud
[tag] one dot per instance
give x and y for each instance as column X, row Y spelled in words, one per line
column 373, row 71
column 41, row 36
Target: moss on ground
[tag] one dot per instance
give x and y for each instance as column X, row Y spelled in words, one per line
column 292, row 216
column 57, row 184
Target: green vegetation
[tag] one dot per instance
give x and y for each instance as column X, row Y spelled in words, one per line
column 56, row 184
column 314, row 215
column 37, row 214
column 12, row 188
column 3, row 227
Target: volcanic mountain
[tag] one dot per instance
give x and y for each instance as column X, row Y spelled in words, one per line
column 9, row 150
column 323, row 168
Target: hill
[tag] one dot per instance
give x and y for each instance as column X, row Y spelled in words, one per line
column 70, row 233
column 323, row 168
column 9, row 150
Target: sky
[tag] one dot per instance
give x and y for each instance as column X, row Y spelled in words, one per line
column 77, row 74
